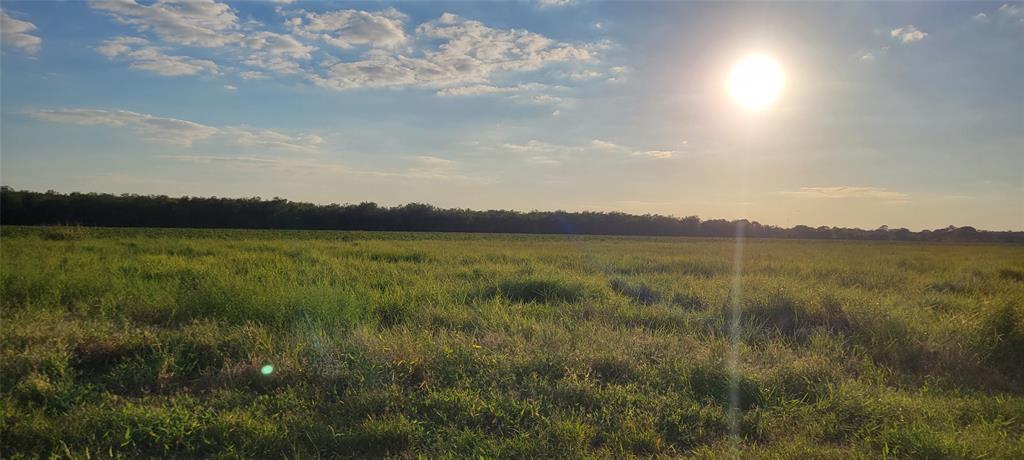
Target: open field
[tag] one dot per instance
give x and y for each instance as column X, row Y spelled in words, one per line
column 120, row 342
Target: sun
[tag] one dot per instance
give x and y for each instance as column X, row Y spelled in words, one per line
column 755, row 82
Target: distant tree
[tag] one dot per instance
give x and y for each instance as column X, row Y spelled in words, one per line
column 18, row 207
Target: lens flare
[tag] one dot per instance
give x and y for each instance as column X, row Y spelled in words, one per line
column 267, row 369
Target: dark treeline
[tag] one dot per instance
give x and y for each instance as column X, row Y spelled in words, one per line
column 18, row 207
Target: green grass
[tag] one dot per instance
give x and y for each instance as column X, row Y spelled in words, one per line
column 134, row 343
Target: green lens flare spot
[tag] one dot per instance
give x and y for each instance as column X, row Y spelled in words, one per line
column 267, row 369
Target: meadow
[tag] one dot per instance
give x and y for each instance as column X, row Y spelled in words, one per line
column 159, row 343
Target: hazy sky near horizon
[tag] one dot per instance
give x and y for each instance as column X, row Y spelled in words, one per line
column 903, row 114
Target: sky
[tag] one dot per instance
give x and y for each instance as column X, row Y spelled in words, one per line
column 900, row 114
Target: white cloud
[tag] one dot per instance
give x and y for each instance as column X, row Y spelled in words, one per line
column 271, row 139
column 143, row 56
column 537, row 99
column 245, row 160
column 456, row 56
column 908, row 34
column 554, row 3
column 540, row 149
column 470, row 54
column 848, row 192
column 15, row 32
column 657, row 154
column 604, row 145
column 981, row 17
column 535, row 146
column 204, row 23
column 270, row 62
column 585, row 75
column 274, row 52
column 529, row 93
column 252, row 75
column 230, row 87
column 180, row 132
column 348, row 28
column 432, row 161
column 471, row 42
column 543, row 160
column 426, row 166
column 476, row 90
column 1011, row 11
column 278, row 44
column 159, row 129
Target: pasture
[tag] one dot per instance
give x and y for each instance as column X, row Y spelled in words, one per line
column 157, row 342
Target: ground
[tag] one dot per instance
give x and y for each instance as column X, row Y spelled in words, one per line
column 155, row 342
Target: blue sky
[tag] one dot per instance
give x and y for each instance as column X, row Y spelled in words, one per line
column 903, row 114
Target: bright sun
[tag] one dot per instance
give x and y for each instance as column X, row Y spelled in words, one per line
column 755, row 82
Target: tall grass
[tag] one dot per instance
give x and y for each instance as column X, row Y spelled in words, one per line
column 151, row 342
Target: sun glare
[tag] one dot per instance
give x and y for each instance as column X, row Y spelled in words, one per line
column 755, row 82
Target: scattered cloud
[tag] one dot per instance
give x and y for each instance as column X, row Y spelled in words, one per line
column 349, row 28
column 141, row 55
column 849, row 192
column 872, row 55
column 16, row 33
column 274, row 52
column 426, row 166
column 202, row 23
column 181, row 132
column 536, row 99
column 1013, row 12
column 908, row 34
column 535, row 146
column 477, row 90
column 270, row 139
column 543, row 160
column 230, row 87
column 554, row 3
column 278, row 45
column 199, row 23
column 272, row 63
column 252, row 75
column 544, row 150
column 159, row 129
column 253, row 161
column 982, row 17
column 604, row 145
column 528, row 93
column 585, row 75
column 658, row 154
column 455, row 55
column 471, row 53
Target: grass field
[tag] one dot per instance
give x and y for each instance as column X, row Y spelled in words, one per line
column 134, row 343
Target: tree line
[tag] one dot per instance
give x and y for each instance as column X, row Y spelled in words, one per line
column 22, row 207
